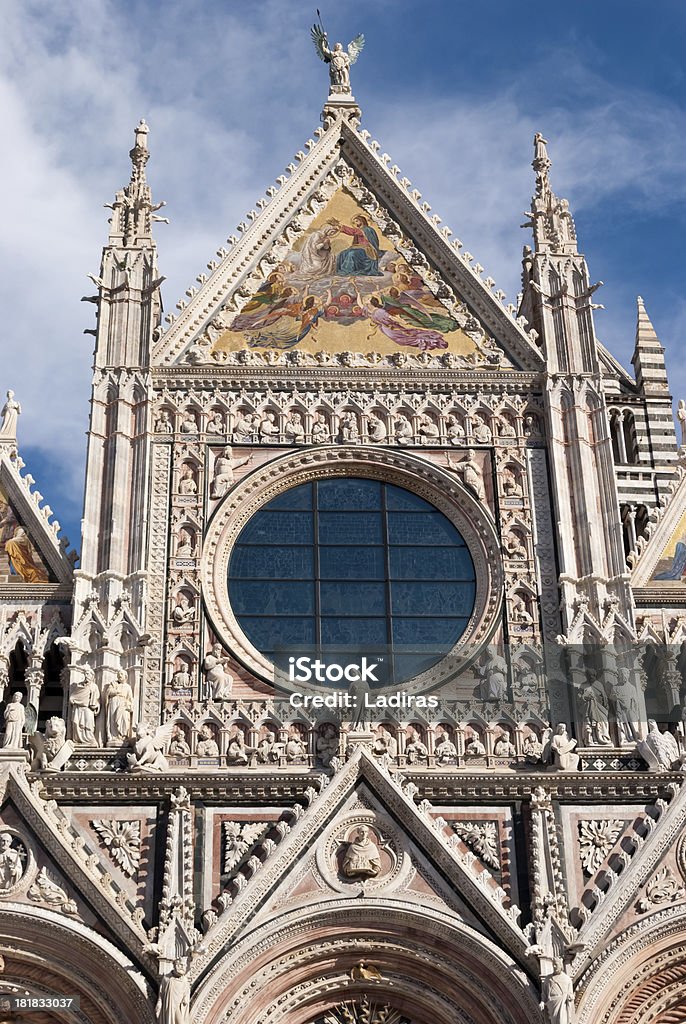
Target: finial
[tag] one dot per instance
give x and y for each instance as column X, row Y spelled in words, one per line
column 338, row 59
column 541, row 164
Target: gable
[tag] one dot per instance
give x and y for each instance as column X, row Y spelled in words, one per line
column 661, row 562
column 20, row 560
column 270, row 291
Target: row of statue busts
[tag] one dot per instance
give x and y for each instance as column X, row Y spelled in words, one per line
column 271, row 426
column 239, row 745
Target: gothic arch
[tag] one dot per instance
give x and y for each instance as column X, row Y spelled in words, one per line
column 640, row 978
column 434, row 969
column 48, row 954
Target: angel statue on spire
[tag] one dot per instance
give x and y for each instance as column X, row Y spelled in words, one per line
column 338, row 59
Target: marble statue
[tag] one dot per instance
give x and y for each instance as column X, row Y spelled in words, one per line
column 84, row 705
column 444, row 749
column 11, row 411
column 11, row 864
column 557, row 992
column 595, row 712
column 207, row 745
column 237, row 753
column 15, row 720
column 519, row 613
column 385, row 745
column 174, row 1000
column 294, row 429
column 327, row 744
column 347, row 431
column 475, row 747
column 246, row 428
column 402, row 430
column 454, row 430
column 680, row 415
column 532, row 748
column 471, row 473
column 181, row 679
column 338, row 59
column 118, row 699
column 52, row 749
column 362, row 858
column 147, row 755
column 224, row 467
column 415, row 750
column 505, row 428
column 659, row 750
column 219, row 679
column 268, row 429
column 626, row 708
column 187, row 480
column 562, row 749
column 514, row 548
column 493, row 673
column 427, row 429
column 189, row 424
column 320, row 429
column 295, row 749
column 178, row 746
column 185, row 543
column 163, row 424
column 184, row 612
column 215, row 424
column 377, row 429
column 268, row 750
column 481, row 432
column 512, row 486
column 504, row 746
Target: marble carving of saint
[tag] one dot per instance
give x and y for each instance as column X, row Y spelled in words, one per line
column 11, row 866
column 362, row 858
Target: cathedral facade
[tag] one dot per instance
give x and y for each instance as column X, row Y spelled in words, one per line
column 364, row 700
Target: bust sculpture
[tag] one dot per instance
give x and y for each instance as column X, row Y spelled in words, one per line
column 362, row 858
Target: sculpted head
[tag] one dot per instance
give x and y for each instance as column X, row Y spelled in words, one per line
column 5, row 841
column 16, row 697
column 55, row 727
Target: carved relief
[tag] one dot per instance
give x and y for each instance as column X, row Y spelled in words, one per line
column 482, row 837
column 596, row 841
column 122, row 839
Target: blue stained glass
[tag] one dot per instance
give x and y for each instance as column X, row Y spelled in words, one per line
column 353, row 495
column 353, row 598
column 350, row 562
column 274, row 598
column 346, row 563
column 350, row 528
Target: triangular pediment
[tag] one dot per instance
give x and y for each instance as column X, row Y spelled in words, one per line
column 30, row 552
column 414, row 859
column 344, row 258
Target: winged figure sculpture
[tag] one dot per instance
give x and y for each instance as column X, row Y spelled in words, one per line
column 338, row 59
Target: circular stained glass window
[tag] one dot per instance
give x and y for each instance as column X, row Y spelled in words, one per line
column 352, row 563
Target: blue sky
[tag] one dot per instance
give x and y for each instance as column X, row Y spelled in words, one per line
column 454, row 92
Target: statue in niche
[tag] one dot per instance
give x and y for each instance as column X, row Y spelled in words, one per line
column 181, row 679
column 268, row 750
column 320, row 429
column 269, row 430
column 219, row 679
column 84, row 705
column 11, row 411
column 681, row 416
column 207, row 745
column 514, row 547
column 557, row 993
column 15, row 720
column 178, row 746
column 444, row 749
column 12, row 861
column 385, row 745
column 504, row 747
column 174, row 1000
column 215, row 424
column 163, row 424
column 471, row 473
column 532, row 748
column 481, row 432
column 338, row 59
column 562, row 749
column 147, row 755
column 595, row 712
column 511, row 481
column 402, row 430
column 187, row 480
column 245, row 431
column 237, row 752
column 295, row 749
column 185, row 543
column 184, row 612
column 415, row 750
column 454, row 430
column 532, row 426
column 493, row 673
column 519, row 612
column 294, row 429
column 362, row 858
column 224, row 467
column 505, row 428
column 189, row 424
column 428, row 431
column 327, row 744
column 475, row 747
column 377, row 428
column 626, row 708
column 118, row 709
column 347, row 431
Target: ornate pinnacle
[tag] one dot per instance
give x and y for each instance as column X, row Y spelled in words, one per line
column 541, row 164
column 133, row 210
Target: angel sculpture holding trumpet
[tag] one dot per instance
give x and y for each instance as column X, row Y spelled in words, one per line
column 338, row 59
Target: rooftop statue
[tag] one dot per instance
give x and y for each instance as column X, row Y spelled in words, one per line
column 338, row 59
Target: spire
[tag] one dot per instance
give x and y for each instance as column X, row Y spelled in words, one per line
column 550, row 219
column 133, row 210
column 648, row 359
